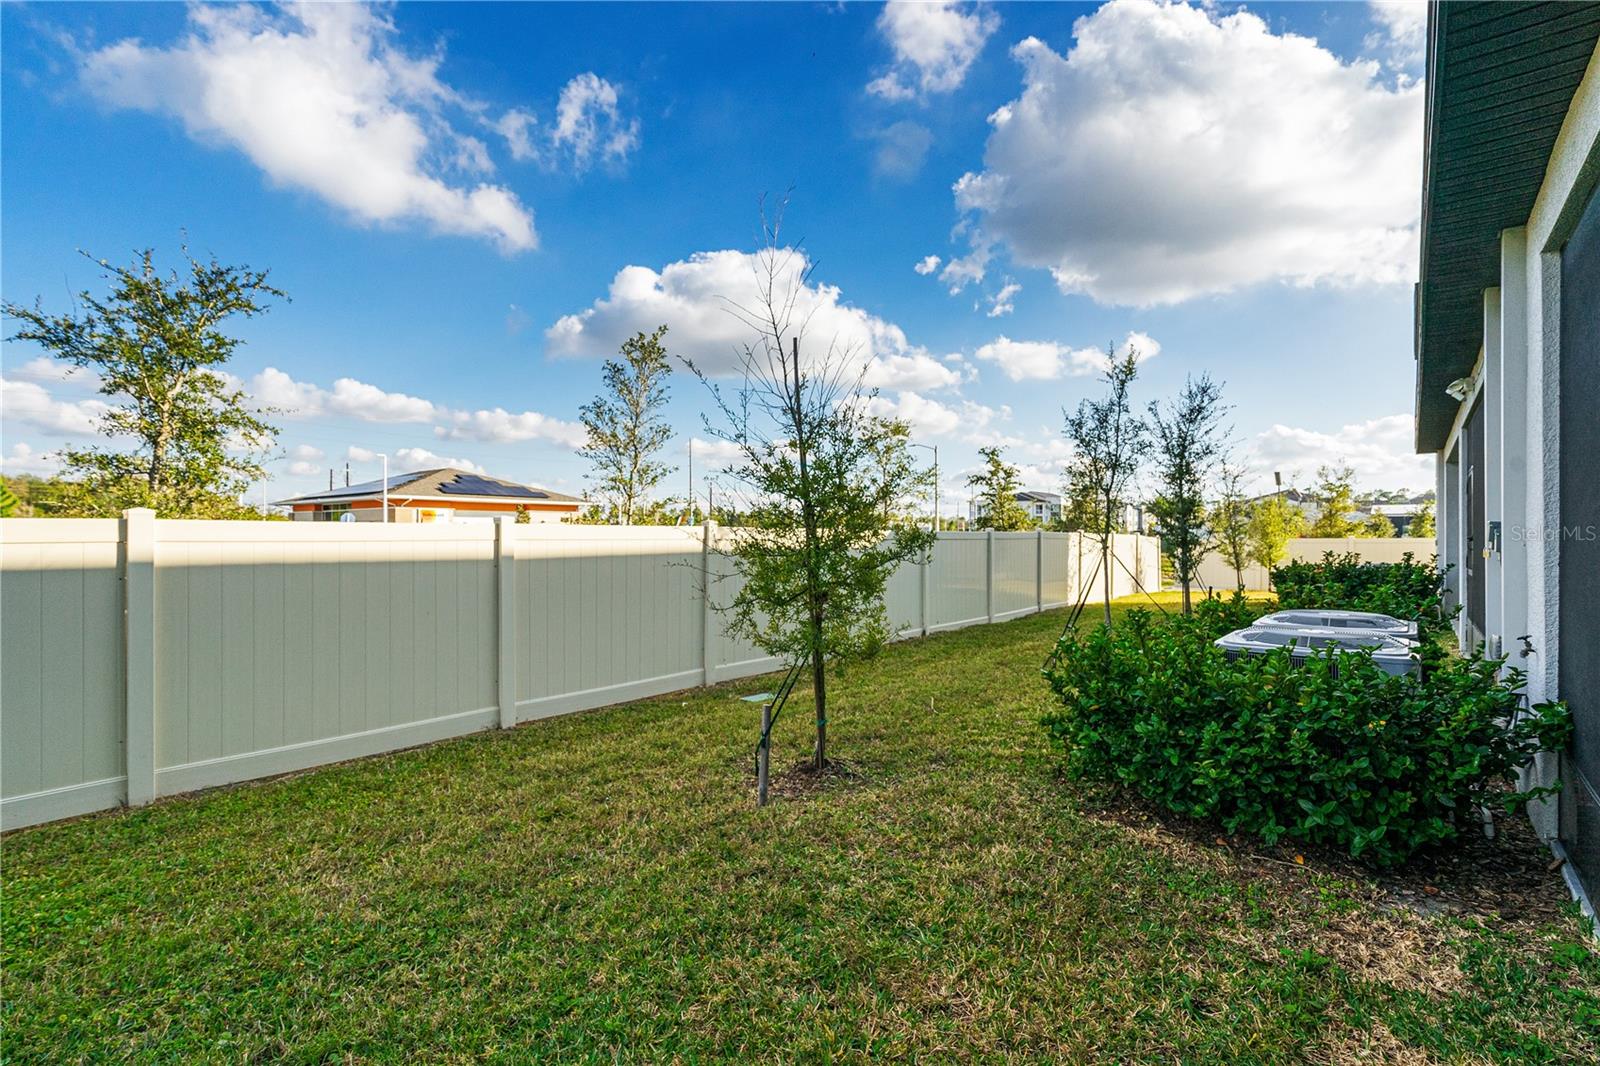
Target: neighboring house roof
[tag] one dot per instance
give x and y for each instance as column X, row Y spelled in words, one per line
column 1294, row 496
column 1500, row 79
column 442, row 486
column 1036, row 496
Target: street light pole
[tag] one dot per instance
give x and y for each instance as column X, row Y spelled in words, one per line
column 934, row 448
column 385, row 457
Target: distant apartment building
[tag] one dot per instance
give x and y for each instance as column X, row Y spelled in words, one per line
column 1043, row 507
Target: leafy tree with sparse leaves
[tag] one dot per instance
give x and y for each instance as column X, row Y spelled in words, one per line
column 626, row 427
column 1230, row 520
column 156, row 344
column 1189, row 439
column 1109, row 441
column 997, row 484
column 822, row 475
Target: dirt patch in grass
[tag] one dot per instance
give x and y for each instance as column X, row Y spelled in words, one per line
column 802, row 779
column 1376, row 1044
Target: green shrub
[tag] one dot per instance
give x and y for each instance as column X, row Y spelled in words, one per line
column 1332, row 752
column 1407, row 589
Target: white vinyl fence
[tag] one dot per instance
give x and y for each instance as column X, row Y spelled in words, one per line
column 1218, row 575
column 143, row 657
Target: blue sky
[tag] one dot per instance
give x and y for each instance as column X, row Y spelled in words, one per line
column 470, row 204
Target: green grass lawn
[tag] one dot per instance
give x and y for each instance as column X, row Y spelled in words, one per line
column 601, row 887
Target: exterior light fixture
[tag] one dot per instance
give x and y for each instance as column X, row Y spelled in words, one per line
column 1458, row 389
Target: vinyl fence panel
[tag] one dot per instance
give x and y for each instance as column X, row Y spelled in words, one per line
column 146, row 658
column 61, row 668
column 1217, row 575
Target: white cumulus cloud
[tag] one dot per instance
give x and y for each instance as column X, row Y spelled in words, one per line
column 695, row 298
column 365, row 402
column 348, row 398
column 934, row 44
column 406, row 460
column 1380, row 451
column 927, row 265
column 931, row 418
column 1047, row 360
column 21, row 458
column 504, row 427
column 590, row 125
column 1402, row 27
column 1176, row 151
column 31, row 404
column 42, row 370
column 321, row 97
column 1004, row 301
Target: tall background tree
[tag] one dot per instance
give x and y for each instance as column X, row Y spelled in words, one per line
column 822, row 475
column 996, row 484
column 1189, row 440
column 1424, row 524
column 156, row 345
column 1230, row 520
column 627, row 429
column 1274, row 522
column 1375, row 525
column 1109, row 441
column 1335, row 496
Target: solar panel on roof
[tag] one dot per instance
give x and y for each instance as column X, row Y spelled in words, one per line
column 473, row 485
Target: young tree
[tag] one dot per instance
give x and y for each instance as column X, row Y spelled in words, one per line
column 1335, row 497
column 1274, row 522
column 997, row 485
column 1423, row 525
column 1080, row 512
column 1375, row 525
column 1230, row 520
column 1189, row 440
column 1109, row 442
column 897, row 466
column 822, row 474
column 626, row 427
column 156, row 344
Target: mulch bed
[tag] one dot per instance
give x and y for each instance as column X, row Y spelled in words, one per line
column 1512, row 877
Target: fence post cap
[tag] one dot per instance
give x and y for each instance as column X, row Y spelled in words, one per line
column 138, row 512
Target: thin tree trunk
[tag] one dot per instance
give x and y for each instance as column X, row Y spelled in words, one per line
column 1186, row 595
column 819, row 688
column 1105, row 566
column 819, row 685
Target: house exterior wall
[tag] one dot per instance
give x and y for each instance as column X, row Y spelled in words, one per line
column 1518, row 378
